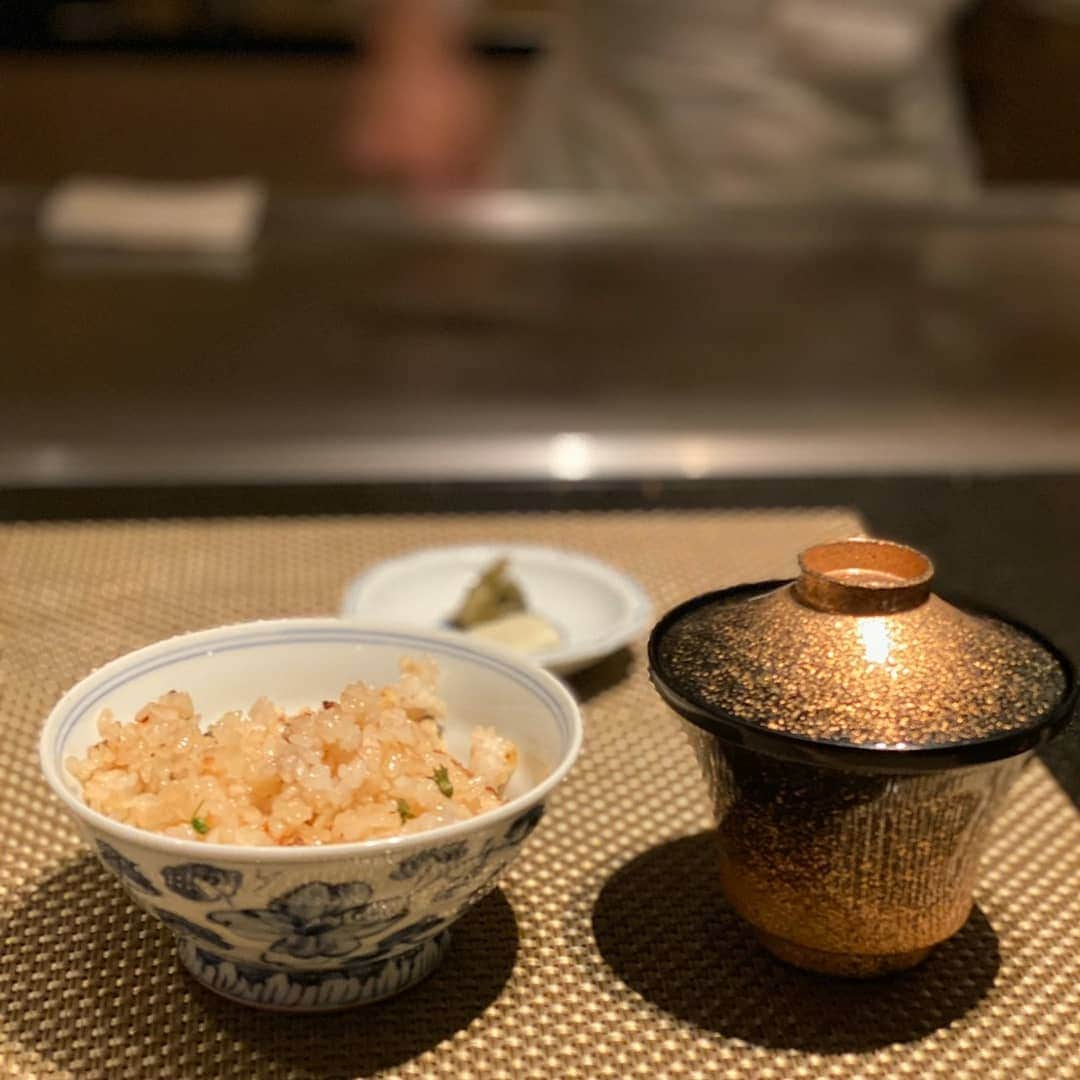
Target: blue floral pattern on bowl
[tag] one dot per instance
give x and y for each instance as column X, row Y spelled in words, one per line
column 321, row 944
column 317, row 920
column 313, row 991
column 202, row 882
column 427, row 865
column 181, row 926
column 411, row 934
column 126, row 870
column 523, row 826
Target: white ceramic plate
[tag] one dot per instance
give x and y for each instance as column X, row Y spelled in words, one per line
column 595, row 609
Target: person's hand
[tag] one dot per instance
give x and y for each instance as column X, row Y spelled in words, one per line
column 422, row 121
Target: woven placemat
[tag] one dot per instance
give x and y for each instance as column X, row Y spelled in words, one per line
column 607, row 951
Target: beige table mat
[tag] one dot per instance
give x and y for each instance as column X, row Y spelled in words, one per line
column 606, row 952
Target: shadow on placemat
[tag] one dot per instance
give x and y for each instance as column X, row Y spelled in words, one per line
column 87, row 981
column 602, row 676
column 665, row 930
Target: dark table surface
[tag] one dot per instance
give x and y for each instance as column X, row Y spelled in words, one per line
column 526, row 339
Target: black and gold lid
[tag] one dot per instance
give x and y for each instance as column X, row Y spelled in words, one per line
column 856, row 661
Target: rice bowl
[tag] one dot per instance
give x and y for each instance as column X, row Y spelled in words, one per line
column 314, row 926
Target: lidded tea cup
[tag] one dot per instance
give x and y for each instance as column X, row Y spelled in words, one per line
column 858, row 734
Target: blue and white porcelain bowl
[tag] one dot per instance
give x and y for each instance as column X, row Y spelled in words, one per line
column 313, row 928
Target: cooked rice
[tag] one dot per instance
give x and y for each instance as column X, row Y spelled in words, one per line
column 369, row 765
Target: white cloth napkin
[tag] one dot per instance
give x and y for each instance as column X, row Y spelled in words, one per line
column 220, row 217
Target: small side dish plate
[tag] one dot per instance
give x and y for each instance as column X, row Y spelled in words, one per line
column 595, row 608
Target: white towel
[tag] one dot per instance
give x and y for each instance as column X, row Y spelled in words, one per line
column 219, row 217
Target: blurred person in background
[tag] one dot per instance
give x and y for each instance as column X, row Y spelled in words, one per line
column 712, row 98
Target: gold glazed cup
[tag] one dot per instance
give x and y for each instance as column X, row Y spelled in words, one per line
column 851, row 855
